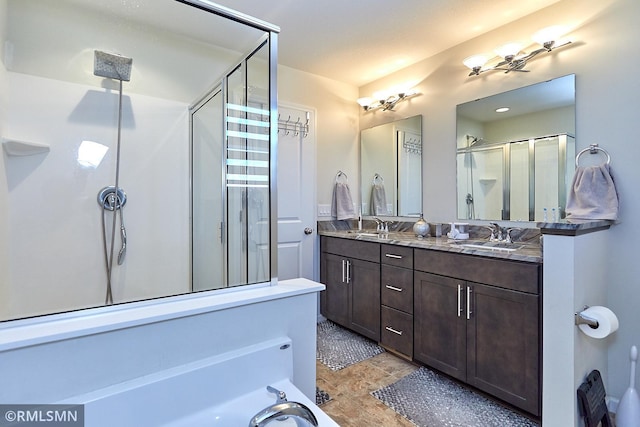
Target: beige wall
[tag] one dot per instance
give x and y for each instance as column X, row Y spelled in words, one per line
column 337, row 132
column 602, row 57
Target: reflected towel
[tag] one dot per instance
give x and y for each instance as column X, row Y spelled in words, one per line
column 378, row 200
column 341, row 203
column 593, row 194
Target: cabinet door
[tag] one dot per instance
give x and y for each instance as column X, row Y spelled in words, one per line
column 440, row 323
column 334, row 300
column 365, row 298
column 503, row 357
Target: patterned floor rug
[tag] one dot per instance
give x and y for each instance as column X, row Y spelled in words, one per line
column 429, row 399
column 322, row 397
column 338, row 348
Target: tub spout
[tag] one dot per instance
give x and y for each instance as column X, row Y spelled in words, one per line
column 281, row 410
column 301, row 414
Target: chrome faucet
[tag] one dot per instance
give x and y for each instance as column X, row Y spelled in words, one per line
column 496, row 232
column 281, row 410
column 508, row 237
column 383, row 226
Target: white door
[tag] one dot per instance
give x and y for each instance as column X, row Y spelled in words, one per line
column 296, row 194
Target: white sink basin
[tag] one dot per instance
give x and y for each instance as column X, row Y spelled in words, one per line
column 491, row 246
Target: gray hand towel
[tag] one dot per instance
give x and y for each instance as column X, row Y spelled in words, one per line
column 378, row 200
column 593, row 194
column 341, row 203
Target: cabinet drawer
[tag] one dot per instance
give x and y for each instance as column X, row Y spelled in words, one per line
column 397, row 288
column 518, row 276
column 397, row 330
column 399, row 256
column 367, row 251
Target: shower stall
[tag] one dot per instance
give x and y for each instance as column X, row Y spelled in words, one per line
column 523, row 180
column 192, row 125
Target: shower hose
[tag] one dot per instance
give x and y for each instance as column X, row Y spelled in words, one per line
column 117, row 204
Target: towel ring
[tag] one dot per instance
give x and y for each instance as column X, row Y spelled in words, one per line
column 377, row 177
column 339, row 174
column 593, row 149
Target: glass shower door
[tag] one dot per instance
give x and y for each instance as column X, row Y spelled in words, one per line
column 208, row 259
column 231, row 228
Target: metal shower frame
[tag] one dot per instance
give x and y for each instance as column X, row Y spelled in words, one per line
column 272, row 34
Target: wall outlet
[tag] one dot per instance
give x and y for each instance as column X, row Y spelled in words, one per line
column 324, row 210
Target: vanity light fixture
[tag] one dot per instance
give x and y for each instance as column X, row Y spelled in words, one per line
column 512, row 56
column 384, row 101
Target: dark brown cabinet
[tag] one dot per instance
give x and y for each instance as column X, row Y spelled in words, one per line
column 484, row 334
column 474, row 318
column 396, row 287
column 351, row 272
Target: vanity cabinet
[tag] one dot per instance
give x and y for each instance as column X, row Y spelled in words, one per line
column 478, row 320
column 396, row 289
column 350, row 270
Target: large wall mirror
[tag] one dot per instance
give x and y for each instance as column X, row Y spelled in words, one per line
column 391, row 168
column 515, row 153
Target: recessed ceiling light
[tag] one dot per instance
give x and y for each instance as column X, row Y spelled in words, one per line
column 502, row 109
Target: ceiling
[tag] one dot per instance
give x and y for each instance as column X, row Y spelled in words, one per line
column 358, row 42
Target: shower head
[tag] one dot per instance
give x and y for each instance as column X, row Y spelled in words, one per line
column 112, row 66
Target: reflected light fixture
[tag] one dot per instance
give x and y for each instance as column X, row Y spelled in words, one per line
column 385, row 101
column 512, row 56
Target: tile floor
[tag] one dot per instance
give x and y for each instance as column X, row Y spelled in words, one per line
column 351, row 403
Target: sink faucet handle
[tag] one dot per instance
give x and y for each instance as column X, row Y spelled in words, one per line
column 496, row 234
column 281, row 396
column 508, row 237
column 493, row 232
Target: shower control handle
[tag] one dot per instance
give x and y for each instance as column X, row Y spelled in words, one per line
column 123, row 248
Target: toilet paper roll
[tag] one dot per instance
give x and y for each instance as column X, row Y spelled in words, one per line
column 607, row 322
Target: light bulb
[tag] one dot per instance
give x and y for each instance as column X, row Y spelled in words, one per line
column 548, row 34
column 475, row 61
column 509, row 50
column 365, row 102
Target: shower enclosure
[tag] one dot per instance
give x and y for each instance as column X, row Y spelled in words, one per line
column 230, row 171
column 201, row 211
column 517, row 180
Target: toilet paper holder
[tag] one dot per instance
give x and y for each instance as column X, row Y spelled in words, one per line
column 583, row 319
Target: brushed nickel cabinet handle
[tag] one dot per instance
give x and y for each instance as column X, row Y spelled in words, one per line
column 469, row 302
column 343, row 270
column 348, row 271
column 390, row 329
column 459, row 300
column 393, row 288
column 393, row 256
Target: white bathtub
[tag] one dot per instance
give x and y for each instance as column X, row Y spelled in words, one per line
column 225, row 391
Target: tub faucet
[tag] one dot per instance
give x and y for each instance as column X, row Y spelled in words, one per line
column 281, row 410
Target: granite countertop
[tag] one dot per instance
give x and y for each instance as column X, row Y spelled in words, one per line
column 529, row 251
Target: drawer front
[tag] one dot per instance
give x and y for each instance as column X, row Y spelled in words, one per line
column 397, row 330
column 397, row 288
column 514, row 275
column 400, row 256
column 367, row 251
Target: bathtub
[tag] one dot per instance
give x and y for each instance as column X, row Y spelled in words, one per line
column 223, row 390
